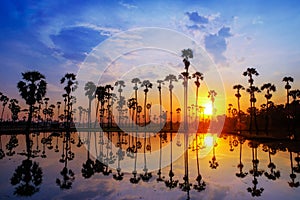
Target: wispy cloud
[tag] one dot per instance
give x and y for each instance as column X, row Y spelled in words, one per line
column 127, row 5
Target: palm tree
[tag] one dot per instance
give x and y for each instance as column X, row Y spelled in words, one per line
column 186, row 54
column 212, row 94
column 238, row 95
column 160, row 82
column 4, row 100
column 32, row 90
column 170, row 78
column 101, row 95
column 121, row 101
column 109, row 98
column 295, row 94
column 270, row 88
column 71, row 86
column 14, row 108
column 199, row 76
column 287, row 86
column 250, row 72
column 58, row 109
column 136, row 81
column 90, row 89
column 251, row 90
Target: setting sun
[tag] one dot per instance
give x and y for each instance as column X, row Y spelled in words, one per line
column 208, row 109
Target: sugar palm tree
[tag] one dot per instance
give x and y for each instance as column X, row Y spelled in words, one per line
column 212, row 94
column 101, row 98
column 58, row 103
column 295, row 94
column 160, row 83
column 136, row 81
column 71, row 86
column 4, row 100
column 250, row 72
column 269, row 88
column 238, row 95
column 198, row 76
column 121, row 101
column 186, row 54
column 32, row 90
column 90, row 89
column 287, row 86
column 171, row 78
column 109, row 100
column 14, row 108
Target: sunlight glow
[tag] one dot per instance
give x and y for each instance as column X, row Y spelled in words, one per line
column 209, row 140
column 208, row 109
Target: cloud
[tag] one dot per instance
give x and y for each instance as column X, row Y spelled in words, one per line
column 216, row 44
column 196, row 18
column 257, row 20
column 75, row 42
column 127, row 5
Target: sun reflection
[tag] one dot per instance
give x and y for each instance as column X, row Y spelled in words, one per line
column 209, row 140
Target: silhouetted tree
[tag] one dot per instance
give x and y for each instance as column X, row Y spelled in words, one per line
column 238, row 95
column 269, row 88
column 14, row 108
column 4, row 99
column 32, row 90
column 71, row 86
column 90, row 89
column 250, row 72
column 186, row 54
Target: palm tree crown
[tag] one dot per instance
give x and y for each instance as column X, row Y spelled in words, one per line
column 33, row 88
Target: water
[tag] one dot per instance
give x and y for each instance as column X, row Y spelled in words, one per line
column 219, row 175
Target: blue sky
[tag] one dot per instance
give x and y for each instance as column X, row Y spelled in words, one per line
column 54, row 37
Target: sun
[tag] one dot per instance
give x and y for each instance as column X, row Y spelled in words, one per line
column 208, row 109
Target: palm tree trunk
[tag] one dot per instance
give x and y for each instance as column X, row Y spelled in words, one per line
column 267, row 119
column 171, row 118
column 89, row 114
column 2, row 113
column 96, row 117
column 240, row 120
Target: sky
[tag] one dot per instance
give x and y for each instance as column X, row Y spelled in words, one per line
column 56, row 37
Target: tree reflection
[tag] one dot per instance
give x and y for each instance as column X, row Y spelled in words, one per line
column 171, row 183
column 255, row 172
column 241, row 174
column 273, row 174
column 2, row 154
column 201, row 184
column 293, row 176
column 214, row 163
column 88, row 167
column 68, row 175
column 11, row 145
column 120, row 154
column 28, row 176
